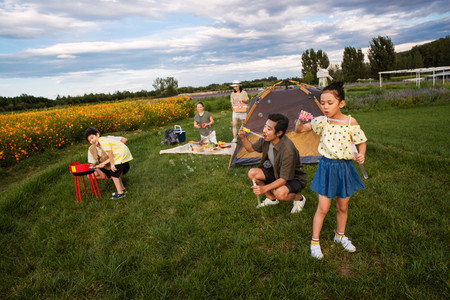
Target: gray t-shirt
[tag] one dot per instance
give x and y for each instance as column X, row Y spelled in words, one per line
column 204, row 119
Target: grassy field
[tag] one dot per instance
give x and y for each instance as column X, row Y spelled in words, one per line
column 188, row 227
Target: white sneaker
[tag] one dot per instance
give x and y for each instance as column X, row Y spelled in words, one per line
column 345, row 242
column 234, row 140
column 268, row 202
column 316, row 252
column 298, row 205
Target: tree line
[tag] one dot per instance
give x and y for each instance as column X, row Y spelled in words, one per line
column 381, row 56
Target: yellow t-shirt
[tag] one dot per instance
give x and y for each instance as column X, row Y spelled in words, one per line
column 120, row 151
column 335, row 140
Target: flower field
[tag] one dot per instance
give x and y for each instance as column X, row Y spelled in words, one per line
column 28, row 133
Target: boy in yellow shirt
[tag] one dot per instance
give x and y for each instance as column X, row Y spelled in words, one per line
column 119, row 156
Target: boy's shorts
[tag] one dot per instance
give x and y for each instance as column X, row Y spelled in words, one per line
column 107, row 172
column 294, row 186
column 121, row 169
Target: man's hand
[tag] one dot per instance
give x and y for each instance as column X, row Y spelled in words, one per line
column 242, row 134
column 259, row 189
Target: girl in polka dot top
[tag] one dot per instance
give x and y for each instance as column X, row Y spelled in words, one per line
column 336, row 174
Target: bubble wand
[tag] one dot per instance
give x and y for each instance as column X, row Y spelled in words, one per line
column 305, row 116
column 257, row 196
column 249, row 131
column 355, row 151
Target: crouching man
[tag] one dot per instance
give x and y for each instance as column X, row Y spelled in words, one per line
column 280, row 175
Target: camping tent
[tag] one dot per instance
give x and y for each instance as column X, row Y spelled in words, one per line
column 287, row 100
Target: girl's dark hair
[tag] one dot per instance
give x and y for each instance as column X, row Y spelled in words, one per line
column 282, row 122
column 240, row 89
column 336, row 87
column 90, row 131
column 199, row 103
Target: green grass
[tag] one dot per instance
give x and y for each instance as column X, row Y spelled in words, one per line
column 188, row 227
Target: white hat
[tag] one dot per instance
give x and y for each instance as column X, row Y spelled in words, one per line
column 236, row 83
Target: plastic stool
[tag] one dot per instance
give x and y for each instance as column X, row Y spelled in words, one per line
column 92, row 180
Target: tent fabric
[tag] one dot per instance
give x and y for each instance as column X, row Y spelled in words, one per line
column 288, row 101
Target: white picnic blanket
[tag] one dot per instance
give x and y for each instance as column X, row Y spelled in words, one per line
column 183, row 149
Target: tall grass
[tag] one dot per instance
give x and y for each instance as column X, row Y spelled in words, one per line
column 188, row 227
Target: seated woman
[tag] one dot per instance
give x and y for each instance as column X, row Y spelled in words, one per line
column 204, row 122
column 98, row 158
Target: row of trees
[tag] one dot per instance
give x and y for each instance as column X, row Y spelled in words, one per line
column 163, row 87
column 381, row 56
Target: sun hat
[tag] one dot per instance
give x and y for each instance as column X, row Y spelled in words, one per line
column 236, row 83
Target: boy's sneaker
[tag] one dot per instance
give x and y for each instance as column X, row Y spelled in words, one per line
column 345, row 242
column 298, row 205
column 268, row 202
column 117, row 196
column 316, row 252
column 124, row 191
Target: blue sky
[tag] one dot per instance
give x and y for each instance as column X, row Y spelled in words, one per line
column 79, row 47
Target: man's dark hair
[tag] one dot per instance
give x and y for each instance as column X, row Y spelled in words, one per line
column 90, row 131
column 282, row 122
column 337, row 88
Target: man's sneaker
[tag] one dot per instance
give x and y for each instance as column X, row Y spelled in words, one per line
column 298, row 205
column 117, row 196
column 345, row 242
column 316, row 252
column 124, row 191
column 268, row 202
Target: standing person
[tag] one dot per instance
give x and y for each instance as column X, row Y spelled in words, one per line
column 99, row 158
column 336, row 174
column 239, row 100
column 280, row 175
column 119, row 156
column 205, row 124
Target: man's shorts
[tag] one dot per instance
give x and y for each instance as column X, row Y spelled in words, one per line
column 121, row 169
column 294, row 186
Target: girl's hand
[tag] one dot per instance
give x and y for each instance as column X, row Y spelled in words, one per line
column 304, row 116
column 113, row 168
column 360, row 158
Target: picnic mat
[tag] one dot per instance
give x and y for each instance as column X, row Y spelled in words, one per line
column 183, row 149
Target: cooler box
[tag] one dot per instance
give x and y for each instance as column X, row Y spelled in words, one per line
column 180, row 132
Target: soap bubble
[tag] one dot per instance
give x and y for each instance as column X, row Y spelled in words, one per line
column 172, row 163
column 159, row 133
column 222, row 112
column 269, row 101
column 260, row 115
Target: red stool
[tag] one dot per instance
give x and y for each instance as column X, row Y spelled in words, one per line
column 80, row 170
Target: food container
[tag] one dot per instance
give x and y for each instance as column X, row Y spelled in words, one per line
column 197, row 148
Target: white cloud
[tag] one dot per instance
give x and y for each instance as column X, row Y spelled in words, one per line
column 108, row 45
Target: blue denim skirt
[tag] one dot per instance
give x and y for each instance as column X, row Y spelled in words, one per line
column 336, row 177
